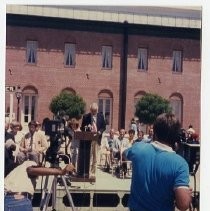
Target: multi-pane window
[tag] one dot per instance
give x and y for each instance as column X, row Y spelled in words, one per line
column 107, row 57
column 29, row 107
column 176, row 105
column 142, row 59
column 70, row 55
column 177, row 61
column 105, row 107
column 31, row 52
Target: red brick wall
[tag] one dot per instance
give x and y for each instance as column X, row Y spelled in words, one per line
column 50, row 76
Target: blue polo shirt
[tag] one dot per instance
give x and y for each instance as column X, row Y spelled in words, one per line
column 156, row 172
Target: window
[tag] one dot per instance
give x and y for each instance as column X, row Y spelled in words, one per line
column 70, row 55
column 142, row 59
column 176, row 103
column 29, row 105
column 31, row 52
column 105, row 108
column 29, row 108
column 138, row 97
column 177, row 61
column 105, row 99
column 107, row 57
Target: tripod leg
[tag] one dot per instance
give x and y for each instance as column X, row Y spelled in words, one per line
column 54, row 188
column 68, row 194
column 44, row 192
column 46, row 195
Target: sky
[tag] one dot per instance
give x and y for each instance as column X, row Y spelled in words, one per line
column 205, row 75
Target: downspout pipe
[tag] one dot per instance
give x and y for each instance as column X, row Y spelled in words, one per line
column 123, row 77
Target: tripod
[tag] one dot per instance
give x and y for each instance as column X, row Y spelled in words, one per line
column 47, row 192
column 195, row 194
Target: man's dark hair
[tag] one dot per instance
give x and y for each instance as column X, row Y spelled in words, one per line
column 131, row 131
column 167, row 128
column 32, row 123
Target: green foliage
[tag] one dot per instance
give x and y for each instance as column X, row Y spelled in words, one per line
column 68, row 104
column 150, row 106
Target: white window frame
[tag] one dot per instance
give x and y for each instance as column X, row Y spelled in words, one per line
column 177, row 61
column 29, row 115
column 103, row 109
column 143, row 59
column 177, row 106
column 31, row 52
column 107, row 57
column 70, row 55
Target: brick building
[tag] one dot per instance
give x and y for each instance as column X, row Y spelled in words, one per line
column 109, row 55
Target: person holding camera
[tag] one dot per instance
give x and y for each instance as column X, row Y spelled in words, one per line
column 20, row 183
column 160, row 177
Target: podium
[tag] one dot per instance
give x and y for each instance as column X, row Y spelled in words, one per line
column 83, row 163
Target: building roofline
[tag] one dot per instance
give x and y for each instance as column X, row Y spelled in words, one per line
column 102, row 26
column 157, row 16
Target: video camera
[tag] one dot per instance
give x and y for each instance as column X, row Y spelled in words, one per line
column 54, row 128
column 57, row 132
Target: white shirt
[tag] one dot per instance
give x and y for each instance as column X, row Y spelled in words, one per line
column 18, row 181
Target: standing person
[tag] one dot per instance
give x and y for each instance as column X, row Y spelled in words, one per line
column 107, row 149
column 133, row 126
column 96, row 123
column 19, row 185
column 16, row 131
column 160, row 176
column 74, row 146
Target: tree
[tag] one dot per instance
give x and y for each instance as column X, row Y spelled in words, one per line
column 150, row 106
column 68, row 104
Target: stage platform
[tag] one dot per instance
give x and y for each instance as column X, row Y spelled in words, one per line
column 107, row 193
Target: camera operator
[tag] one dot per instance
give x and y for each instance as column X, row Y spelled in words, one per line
column 20, row 183
column 160, row 176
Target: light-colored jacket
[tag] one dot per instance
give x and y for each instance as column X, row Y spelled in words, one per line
column 39, row 142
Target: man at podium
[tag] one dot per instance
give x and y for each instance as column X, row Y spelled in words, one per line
column 94, row 122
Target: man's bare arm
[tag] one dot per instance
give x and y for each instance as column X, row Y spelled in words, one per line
column 183, row 197
column 43, row 171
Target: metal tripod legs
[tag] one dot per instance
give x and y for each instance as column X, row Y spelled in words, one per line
column 50, row 188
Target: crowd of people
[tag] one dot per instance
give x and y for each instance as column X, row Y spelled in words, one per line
column 117, row 141
column 148, row 154
column 23, row 156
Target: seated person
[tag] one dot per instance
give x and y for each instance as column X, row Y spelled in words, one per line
column 140, row 136
column 32, row 145
column 131, row 135
column 149, row 138
column 9, row 159
column 119, row 145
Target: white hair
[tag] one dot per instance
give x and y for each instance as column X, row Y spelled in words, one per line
column 94, row 106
